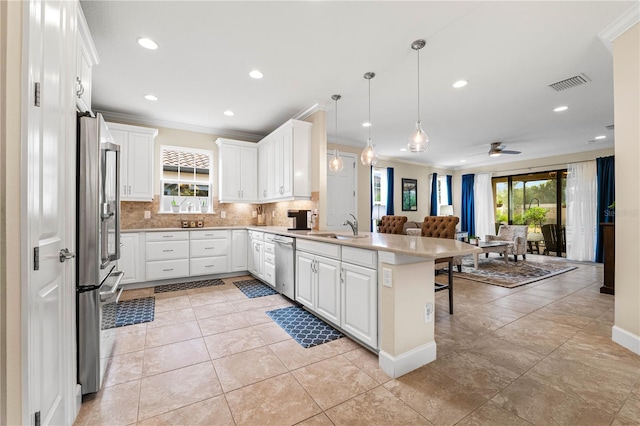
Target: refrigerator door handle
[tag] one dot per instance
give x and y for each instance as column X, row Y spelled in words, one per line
column 111, row 289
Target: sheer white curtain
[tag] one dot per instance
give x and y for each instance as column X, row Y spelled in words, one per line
column 581, row 211
column 483, row 206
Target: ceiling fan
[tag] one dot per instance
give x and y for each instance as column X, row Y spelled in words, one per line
column 498, row 149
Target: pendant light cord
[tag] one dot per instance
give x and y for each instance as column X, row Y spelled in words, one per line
column 335, row 146
column 369, row 108
column 418, row 85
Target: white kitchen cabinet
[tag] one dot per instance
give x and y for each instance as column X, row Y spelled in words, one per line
column 269, row 259
column 360, row 303
column 239, row 250
column 318, row 285
column 256, row 254
column 130, row 262
column 237, row 171
column 285, row 162
column 167, row 255
column 136, row 160
column 87, row 57
column 208, row 252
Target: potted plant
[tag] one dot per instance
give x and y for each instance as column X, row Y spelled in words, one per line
column 175, row 207
column 474, row 240
column 203, row 206
column 499, row 203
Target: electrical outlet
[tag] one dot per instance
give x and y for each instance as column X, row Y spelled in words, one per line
column 387, row 277
column 147, row 214
column 254, row 214
column 428, row 313
column 273, row 213
column 223, row 214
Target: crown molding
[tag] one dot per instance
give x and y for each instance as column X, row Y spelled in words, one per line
column 619, row 26
column 146, row 121
column 318, row 106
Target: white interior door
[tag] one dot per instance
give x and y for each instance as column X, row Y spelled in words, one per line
column 50, row 209
column 342, row 192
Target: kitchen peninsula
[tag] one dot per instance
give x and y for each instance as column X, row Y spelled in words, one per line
column 383, row 294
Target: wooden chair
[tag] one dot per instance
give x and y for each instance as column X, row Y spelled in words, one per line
column 443, row 227
column 551, row 242
column 392, row 224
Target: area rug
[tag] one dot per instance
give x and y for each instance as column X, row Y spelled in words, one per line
column 128, row 312
column 187, row 285
column 515, row 274
column 305, row 328
column 254, row 288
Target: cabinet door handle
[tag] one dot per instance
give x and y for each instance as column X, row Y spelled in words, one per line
column 129, row 189
column 342, row 275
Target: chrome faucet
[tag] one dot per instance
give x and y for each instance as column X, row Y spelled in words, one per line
column 353, row 225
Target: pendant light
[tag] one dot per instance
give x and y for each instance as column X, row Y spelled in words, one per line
column 419, row 140
column 369, row 157
column 335, row 164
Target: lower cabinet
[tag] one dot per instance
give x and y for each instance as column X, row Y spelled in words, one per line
column 208, row 252
column 256, row 254
column 318, row 285
column 130, row 262
column 238, row 250
column 360, row 303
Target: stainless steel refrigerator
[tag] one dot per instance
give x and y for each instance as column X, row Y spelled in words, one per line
column 98, row 246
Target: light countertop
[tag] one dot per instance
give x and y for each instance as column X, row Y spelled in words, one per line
column 431, row 248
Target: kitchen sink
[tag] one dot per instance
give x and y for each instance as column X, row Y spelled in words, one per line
column 337, row 237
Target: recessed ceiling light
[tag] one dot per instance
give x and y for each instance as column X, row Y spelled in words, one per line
column 463, row 161
column 147, row 43
column 561, row 108
column 403, row 149
column 600, row 137
column 229, row 113
column 460, row 83
column 256, row 74
column 367, row 124
column 151, row 97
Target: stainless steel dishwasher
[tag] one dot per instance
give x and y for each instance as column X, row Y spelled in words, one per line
column 285, row 265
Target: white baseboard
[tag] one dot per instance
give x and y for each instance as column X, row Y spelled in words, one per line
column 626, row 339
column 408, row 361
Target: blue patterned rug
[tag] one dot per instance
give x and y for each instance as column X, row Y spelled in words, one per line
column 305, row 328
column 187, row 285
column 254, row 288
column 128, row 312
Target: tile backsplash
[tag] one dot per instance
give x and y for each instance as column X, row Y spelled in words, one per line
column 236, row 214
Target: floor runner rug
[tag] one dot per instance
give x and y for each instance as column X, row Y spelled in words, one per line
column 254, row 288
column 128, row 312
column 514, row 274
column 187, row 285
column 305, row 328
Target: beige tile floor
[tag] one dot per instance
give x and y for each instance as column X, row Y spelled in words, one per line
column 538, row 354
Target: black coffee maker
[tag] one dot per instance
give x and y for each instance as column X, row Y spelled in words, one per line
column 299, row 220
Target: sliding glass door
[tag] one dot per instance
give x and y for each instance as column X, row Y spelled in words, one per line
column 536, row 200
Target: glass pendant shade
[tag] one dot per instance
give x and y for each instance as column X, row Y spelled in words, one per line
column 336, row 164
column 419, row 140
column 369, row 157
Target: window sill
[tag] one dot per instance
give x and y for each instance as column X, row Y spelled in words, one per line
column 183, row 213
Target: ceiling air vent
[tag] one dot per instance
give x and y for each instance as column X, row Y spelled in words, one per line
column 610, row 127
column 570, row 82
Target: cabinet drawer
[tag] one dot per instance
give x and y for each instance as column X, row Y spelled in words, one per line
column 362, row 257
column 166, row 250
column 202, row 248
column 269, row 248
column 167, row 269
column 323, row 249
column 255, row 235
column 270, row 274
column 208, row 235
column 167, row 236
column 269, row 258
column 209, row 265
column 269, row 237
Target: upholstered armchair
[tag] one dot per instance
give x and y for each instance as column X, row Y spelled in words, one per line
column 443, row 227
column 392, row 224
column 516, row 235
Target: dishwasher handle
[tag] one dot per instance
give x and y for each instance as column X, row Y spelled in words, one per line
column 282, row 242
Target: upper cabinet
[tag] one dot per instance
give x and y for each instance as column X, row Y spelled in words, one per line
column 237, row 171
column 87, row 57
column 285, row 163
column 136, row 160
